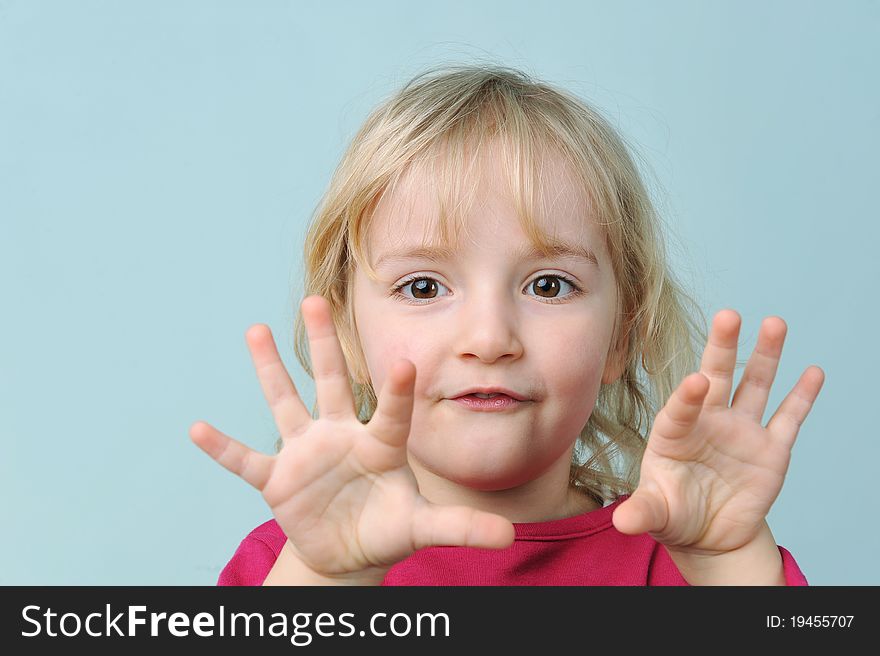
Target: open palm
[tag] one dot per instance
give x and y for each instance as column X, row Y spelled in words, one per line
column 711, row 471
column 342, row 491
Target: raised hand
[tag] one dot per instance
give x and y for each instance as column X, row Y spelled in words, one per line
column 711, row 471
column 342, row 491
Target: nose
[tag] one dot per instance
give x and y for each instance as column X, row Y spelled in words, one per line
column 488, row 327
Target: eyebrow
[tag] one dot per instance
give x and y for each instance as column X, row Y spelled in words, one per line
column 558, row 251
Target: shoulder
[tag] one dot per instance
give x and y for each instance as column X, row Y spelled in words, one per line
column 269, row 534
column 255, row 556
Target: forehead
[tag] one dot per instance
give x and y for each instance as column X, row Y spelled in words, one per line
column 412, row 211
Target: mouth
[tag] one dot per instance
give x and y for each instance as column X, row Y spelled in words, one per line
column 490, row 391
column 488, row 402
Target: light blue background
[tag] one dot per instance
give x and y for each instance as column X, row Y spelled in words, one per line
column 159, row 162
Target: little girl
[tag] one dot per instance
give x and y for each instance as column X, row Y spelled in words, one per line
column 493, row 328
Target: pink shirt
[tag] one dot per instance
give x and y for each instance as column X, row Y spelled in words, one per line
column 581, row 550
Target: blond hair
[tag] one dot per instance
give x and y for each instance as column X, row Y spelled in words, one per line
column 447, row 112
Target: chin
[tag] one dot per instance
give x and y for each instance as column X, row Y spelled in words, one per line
column 482, row 472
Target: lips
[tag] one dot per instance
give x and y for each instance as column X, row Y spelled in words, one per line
column 490, row 390
column 499, row 403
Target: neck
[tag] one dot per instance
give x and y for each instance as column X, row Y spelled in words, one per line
column 543, row 499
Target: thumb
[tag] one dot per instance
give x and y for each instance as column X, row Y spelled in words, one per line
column 460, row 526
column 642, row 512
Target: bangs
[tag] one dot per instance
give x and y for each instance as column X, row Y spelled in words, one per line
column 448, row 171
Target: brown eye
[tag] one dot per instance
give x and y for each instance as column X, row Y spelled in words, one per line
column 424, row 288
column 547, row 286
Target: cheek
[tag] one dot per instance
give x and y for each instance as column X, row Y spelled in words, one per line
column 572, row 364
column 382, row 348
column 572, row 373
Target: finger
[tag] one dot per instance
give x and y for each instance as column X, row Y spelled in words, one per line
column 753, row 391
column 788, row 418
column 460, row 526
column 642, row 512
column 677, row 418
column 332, row 386
column 252, row 466
column 290, row 413
column 392, row 419
column 719, row 357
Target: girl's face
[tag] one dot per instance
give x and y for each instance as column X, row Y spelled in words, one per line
column 490, row 315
